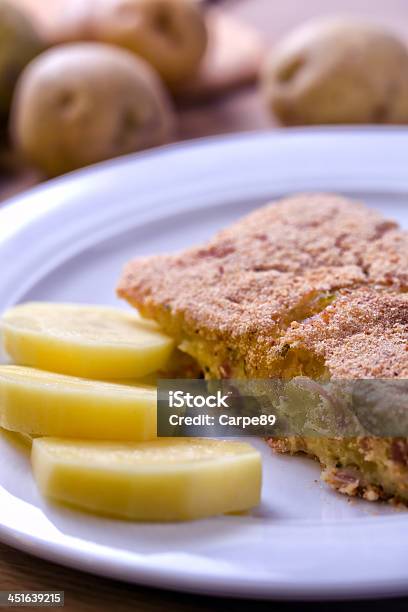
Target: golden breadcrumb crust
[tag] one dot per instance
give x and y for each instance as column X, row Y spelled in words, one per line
column 232, row 300
column 363, row 333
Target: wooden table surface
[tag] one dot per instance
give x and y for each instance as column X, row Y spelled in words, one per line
column 241, row 111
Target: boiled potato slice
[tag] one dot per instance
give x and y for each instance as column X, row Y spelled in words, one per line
column 165, row 480
column 20, row 439
column 26, row 439
column 87, row 341
column 49, row 404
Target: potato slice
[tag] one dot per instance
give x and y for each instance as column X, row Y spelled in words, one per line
column 87, row 341
column 26, row 439
column 18, row 439
column 165, row 480
column 49, row 404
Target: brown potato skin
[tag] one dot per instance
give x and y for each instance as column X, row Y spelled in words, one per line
column 171, row 35
column 338, row 71
column 19, row 44
column 82, row 103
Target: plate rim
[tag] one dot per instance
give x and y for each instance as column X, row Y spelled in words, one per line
column 154, row 577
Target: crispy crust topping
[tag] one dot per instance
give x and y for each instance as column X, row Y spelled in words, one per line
column 275, row 272
column 363, row 334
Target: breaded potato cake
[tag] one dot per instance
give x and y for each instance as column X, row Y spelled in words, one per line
column 313, row 285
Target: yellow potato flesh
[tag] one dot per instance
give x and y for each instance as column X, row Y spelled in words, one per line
column 49, row 404
column 164, row 480
column 19, row 439
column 86, row 341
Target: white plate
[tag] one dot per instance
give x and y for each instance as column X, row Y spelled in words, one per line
column 68, row 241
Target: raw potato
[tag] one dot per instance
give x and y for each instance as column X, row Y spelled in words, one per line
column 48, row 404
column 19, row 44
column 79, row 104
column 338, row 71
column 86, row 341
column 165, row 480
column 169, row 34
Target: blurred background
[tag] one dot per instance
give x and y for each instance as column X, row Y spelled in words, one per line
column 86, row 80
